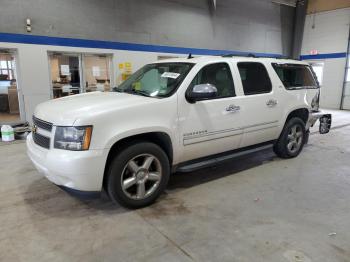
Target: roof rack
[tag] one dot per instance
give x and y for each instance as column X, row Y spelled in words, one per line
column 239, row 55
column 256, row 56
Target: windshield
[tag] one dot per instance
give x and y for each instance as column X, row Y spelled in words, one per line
column 156, row 80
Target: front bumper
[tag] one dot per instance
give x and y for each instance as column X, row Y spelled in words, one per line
column 324, row 118
column 78, row 170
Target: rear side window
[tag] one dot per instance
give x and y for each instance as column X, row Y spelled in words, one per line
column 255, row 78
column 294, row 76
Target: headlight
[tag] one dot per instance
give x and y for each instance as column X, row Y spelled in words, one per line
column 73, row 138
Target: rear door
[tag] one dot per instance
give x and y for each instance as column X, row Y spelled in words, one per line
column 261, row 110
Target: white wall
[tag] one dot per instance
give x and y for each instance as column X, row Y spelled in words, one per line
column 241, row 25
column 329, row 35
column 33, row 73
column 328, row 32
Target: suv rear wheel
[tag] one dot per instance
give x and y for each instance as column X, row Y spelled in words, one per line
column 138, row 175
column 292, row 139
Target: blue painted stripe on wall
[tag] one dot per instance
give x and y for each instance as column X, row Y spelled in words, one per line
column 323, row 56
column 74, row 42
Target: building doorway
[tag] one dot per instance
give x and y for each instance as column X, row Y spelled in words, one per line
column 318, row 69
column 9, row 103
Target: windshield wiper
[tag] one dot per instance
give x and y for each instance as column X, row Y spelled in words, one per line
column 116, row 89
column 131, row 91
column 137, row 92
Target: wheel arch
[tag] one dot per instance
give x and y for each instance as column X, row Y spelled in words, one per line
column 302, row 113
column 161, row 139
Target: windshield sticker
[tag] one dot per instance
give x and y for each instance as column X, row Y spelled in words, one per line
column 170, row 75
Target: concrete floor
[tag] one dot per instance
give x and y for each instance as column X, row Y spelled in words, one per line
column 256, row 208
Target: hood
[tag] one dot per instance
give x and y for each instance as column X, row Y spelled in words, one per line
column 66, row 110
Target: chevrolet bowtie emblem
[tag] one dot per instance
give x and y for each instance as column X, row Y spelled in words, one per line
column 34, row 128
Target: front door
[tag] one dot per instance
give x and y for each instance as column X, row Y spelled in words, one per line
column 210, row 126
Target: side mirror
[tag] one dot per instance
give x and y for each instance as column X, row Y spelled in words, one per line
column 202, row 92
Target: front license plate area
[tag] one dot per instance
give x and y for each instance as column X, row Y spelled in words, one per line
column 325, row 123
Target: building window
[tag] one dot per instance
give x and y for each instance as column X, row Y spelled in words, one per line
column 97, row 72
column 6, row 67
column 75, row 73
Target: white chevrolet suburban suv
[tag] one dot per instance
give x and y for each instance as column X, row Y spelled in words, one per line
column 174, row 115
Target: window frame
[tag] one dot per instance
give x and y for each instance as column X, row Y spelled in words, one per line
column 268, row 76
column 214, row 98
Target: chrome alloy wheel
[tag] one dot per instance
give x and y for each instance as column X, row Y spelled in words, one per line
column 141, row 176
column 295, row 138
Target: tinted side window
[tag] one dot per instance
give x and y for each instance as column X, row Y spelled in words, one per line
column 295, row 76
column 218, row 75
column 255, row 78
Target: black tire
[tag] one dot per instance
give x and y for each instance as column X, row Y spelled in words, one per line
column 307, row 136
column 282, row 146
column 119, row 169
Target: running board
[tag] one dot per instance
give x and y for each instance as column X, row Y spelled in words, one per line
column 217, row 159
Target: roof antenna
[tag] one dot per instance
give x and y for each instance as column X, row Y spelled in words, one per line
column 189, row 56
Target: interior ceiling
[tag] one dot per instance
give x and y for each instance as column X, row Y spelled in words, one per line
column 316, row 6
column 212, row 3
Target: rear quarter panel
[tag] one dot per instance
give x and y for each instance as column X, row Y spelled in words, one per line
column 296, row 99
column 291, row 99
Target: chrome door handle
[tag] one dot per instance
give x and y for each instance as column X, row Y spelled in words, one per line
column 233, row 108
column 271, row 103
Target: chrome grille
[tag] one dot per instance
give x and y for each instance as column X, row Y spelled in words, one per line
column 42, row 124
column 41, row 140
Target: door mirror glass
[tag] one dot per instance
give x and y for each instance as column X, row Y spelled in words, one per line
column 202, row 91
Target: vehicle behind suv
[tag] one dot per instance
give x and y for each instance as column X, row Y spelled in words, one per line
column 174, row 115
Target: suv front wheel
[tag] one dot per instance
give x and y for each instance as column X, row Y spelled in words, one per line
column 292, row 139
column 138, row 175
